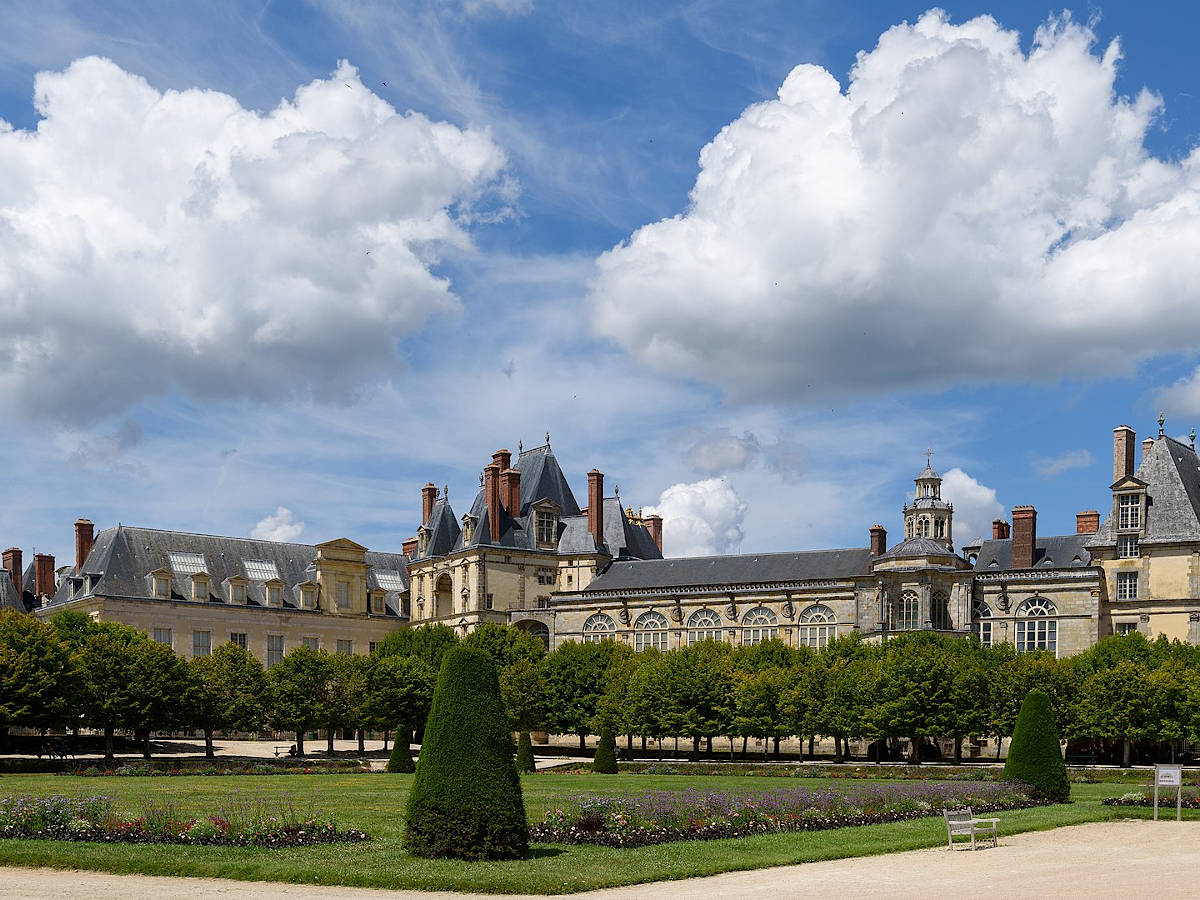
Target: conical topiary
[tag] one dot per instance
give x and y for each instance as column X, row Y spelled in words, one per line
column 605, row 761
column 466, row 797
column 401, row 758
column 1034, row 756
column 525, row 753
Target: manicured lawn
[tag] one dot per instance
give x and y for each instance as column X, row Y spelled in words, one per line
column 375, row 803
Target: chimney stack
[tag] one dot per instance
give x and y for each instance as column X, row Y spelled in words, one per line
column 503, row 459
column 85, row 536
column 1123, row 441
column 428, row 498
column 43, row 575
column 1024, row 541
column 409, row 548
column 654, row 526
column 1000, row 530
column 510, row 491
column 491, row 493
column 1147, row 446
column 595, row 510
column 1087, row 522
column 878, row 540
column 12, row 562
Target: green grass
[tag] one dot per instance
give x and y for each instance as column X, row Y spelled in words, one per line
column 375, row 803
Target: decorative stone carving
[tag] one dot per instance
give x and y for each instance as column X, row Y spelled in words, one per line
column 788, row 610
column 1004, row 602
column 676, row 612
column 731, row 612
column 623, row 615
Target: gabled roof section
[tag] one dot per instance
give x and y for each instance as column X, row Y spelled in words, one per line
column 719, row 571
column 541, row 477
column 623, row 539
column 443, row 529
column 1170, row 472
column 1067, row 551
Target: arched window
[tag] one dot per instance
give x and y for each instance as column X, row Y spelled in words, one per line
column 939, row 528
column 1037, row 627
column 703, row 625
column 650, row 632
column 907, row 615
column 597, row 628
column 981, row 622
column 817, row 626
column 539, row 630
column 940, row 611
column 758, row 625
column 924, row 528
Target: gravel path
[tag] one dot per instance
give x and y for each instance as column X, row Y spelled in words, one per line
column 1095, row 861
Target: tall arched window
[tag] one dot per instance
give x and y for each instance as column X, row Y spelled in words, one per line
column 818, row 626
column 758, row 625
column 908, row 612
column 981, row 622
column 597, row 628
column 703, row 625
column 940, row 611
column 650, row 632
column 1037, row 627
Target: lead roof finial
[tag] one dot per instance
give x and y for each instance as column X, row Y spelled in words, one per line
column 446, row 492
column 520, row 447
column 1192, row 437
column 547, row 439
column 616, row 489
column 481, row 479
column 1161, row 420
column 928, row 458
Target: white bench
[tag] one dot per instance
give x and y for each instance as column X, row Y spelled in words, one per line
column 963, row 821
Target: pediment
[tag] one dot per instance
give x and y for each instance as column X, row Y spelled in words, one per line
column 1128, row 483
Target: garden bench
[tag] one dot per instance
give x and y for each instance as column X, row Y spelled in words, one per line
column 963, row 821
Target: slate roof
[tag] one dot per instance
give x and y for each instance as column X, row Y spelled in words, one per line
column 697, row 571
column 543, row 478
column 1067, row 551
column 123, row 557
column 1171, row 471
column 917, row 547
column 9, row 598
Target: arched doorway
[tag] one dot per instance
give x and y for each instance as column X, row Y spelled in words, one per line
column 443, row 597
column 538, row 629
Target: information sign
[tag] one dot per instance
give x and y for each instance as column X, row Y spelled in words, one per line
column 1169, row 777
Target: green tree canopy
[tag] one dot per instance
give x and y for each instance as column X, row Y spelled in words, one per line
column 38, row 684
column 297, row 686
column 227, row 692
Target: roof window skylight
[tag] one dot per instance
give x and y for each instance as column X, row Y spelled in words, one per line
column 185, row 563
column 260, row 569
column 389, row 579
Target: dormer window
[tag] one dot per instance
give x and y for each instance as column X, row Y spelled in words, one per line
column 422, row 540
column 343, row 595
column 1127, row 547
column 1130, row 511
column 468, row 529
column 162, row 587
column 237, row 593
column 200, row 587
column 308, row 597
column 547, row 527
column 275, row 594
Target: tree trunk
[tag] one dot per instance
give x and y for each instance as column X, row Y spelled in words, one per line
column 958, row 751
column 837, row 748
column 879, row 751
column 582, row 741
column 731, row 748
column 208, row 744
column 800, row 738
column 643, row 743
column 847, row 752
column 766, row 747
column 629, row 744
column 385, row 741
column 108, row 742
column 915, row 758
column 708, row 745
column 1126, row 748
column 999, row 744
column 812, row 745
column 696, row 745
column 299, row 743
column 146, row 744
column 776, row 746
column 362, row 741
column 745, row 741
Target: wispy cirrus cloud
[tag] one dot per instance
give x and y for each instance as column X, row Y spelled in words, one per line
column 1050, row 466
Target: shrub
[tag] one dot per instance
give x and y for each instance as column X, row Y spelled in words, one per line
column 401, row 758
column 605, row 761
column 1034, row 757
column 466, row 798
column 525, row 753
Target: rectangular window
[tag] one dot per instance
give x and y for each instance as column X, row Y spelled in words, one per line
column 237, row 593
column 238, row 638
column 649, row 640
column 371, row 645
column 546, row 528
column 308, row 598
column 1125, row 627
column 377, row 604
column 200, row 589
column 1130, row 511
column 311, row 643
column 983, row 631
column 343, row 595
column 274, row 649
column 489, row 602
column 1127, row 546
column 816, row 636
column 201, row 643
column 274, row 595
column 1037, row 634
column 162, row 636
column 543, row 602
column 1127, row 585
column 346, row 647
column 162, row 587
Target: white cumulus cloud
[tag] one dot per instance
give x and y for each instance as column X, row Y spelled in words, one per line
column 975, row 506
column 153, row 241
column 702, row 518
column 722, row 451
column 962, row 209
column 1049, row 466
column 280, row 526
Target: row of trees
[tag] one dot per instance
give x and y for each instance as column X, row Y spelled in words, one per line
column 73, row 672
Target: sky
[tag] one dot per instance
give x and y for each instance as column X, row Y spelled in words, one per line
column 267, row 268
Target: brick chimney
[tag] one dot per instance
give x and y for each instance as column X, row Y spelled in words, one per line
column 12, row 562
column 878, row 540
column 510, row 491
column 409, row 547
column 654, row 526
column 1000, row 530
column 491, row 493
column 503, row 459
column 1024, row 541
column 428, row 498
column 1123, row 442
column 85, row 536
column 43, row 575
column 595, row 510
column 1087, row 522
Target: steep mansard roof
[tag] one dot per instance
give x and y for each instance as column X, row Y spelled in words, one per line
column 123, row 557
column 709, row 571
column 9, row 598
column 1171, row 471
column 1067, row 551
column 542, row 479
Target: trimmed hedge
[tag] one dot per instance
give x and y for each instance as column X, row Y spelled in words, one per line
column 401, row 759
column 466, row 797
column 605, row 761
column 525, row 754
column 1035, row 757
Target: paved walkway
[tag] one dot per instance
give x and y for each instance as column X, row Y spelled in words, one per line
column 1095, row 861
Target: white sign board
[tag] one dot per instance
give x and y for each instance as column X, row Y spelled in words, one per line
column 1169, row 776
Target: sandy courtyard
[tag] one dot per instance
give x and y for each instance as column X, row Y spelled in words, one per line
column 1099, row 860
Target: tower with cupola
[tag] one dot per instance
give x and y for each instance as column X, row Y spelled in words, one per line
column 929, row 516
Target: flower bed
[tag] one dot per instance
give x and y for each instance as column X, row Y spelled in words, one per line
column 1145, row 798
column 169, row 768
column 97, row 818
column 658, row 817
column 869, row 772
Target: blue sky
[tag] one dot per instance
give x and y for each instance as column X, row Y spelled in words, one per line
column 410, row 291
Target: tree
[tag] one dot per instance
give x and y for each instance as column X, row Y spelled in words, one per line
column 158, row 686
column 296, row 685
column 399, row 695
column 1115, row 703
column 105, row 652
column 37, row 673
column 1035, row 757
column 701, row 678
column 576, row 679
column 429, row 642
column 227, row 691
column 605, row 761
column 652, row 710
column 505, row 644
column 525, row 762
column 915, row 690
column 344, row 702
column 524, row 692
column 759, row 706
column 466, row 801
